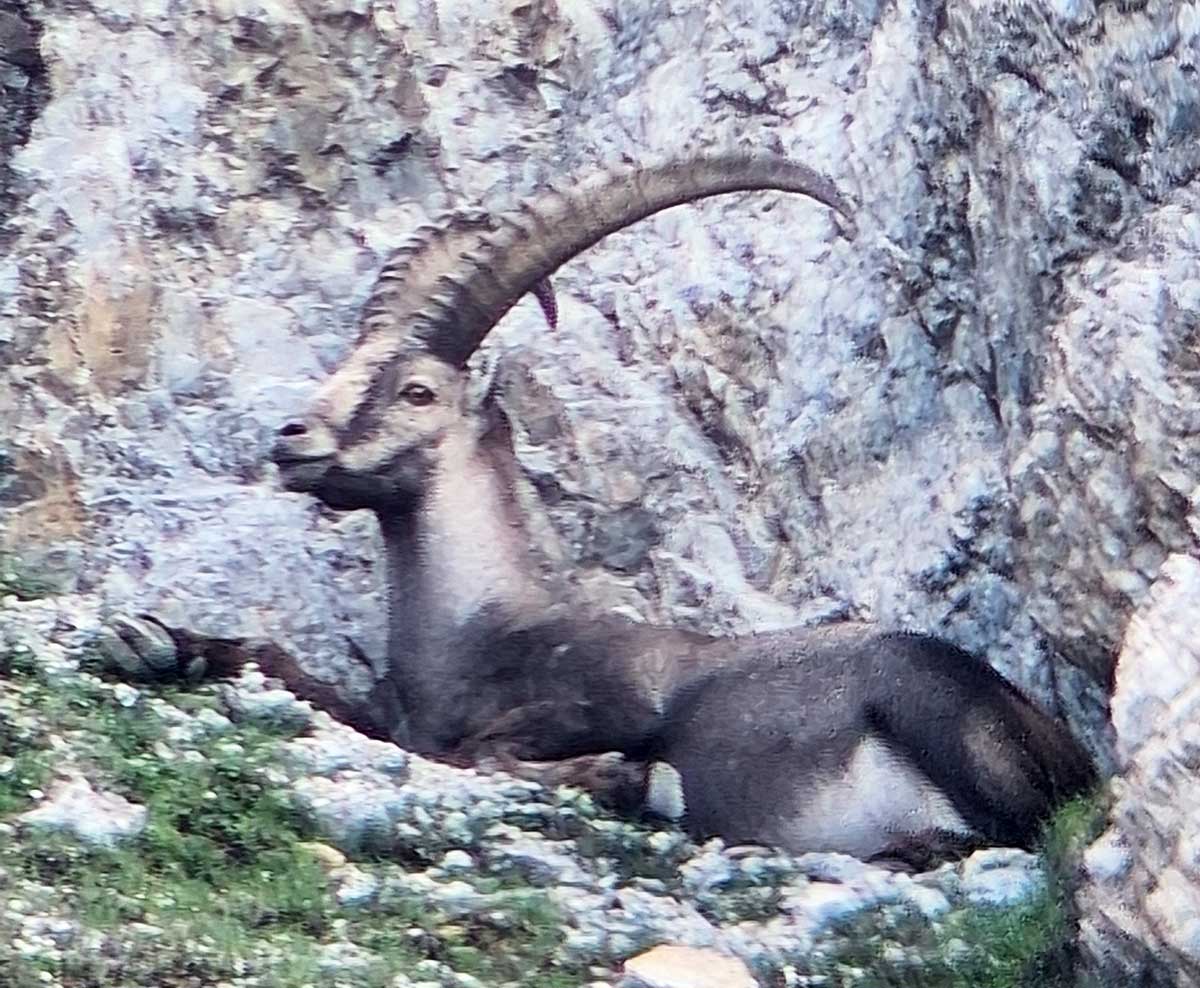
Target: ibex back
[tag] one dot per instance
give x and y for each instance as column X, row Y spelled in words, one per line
column 847, row 737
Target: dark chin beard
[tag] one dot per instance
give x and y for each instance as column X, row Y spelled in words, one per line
column 346, row 493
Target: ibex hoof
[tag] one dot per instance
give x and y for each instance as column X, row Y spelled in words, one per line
column 141, row 648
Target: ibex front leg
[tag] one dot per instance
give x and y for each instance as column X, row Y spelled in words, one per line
column 145, row 648
column 615, row 781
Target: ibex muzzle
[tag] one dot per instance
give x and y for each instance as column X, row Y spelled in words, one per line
column 375, row 434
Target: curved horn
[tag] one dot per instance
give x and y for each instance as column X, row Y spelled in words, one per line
column 461, row 280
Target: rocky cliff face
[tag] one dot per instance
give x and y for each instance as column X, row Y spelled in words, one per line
column 978, row 419
column 1141, row 907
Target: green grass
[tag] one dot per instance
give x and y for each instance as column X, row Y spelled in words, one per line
column 21, row 773
column 217, row 873
column 1031, row 945
column 514, row 940
column 217, row 864
column 24, row 757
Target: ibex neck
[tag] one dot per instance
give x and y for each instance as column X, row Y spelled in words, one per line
column 460, row 555
column 473, row 548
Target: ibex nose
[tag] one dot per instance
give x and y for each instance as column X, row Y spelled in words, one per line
column 302, row 441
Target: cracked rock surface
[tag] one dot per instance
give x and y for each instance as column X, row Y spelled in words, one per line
column 978, row 419
column 1141, row 905
column 972, row 420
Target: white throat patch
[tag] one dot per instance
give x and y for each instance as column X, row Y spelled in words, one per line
column 469, row 542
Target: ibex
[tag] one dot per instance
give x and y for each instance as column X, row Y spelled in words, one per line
column 847, row 737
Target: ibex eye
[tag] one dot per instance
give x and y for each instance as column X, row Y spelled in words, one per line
column 417, row 394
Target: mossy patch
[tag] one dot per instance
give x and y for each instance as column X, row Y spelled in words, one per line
column 22, row 773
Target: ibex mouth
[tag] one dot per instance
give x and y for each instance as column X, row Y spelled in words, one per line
column 300, row 473
column 290, row 459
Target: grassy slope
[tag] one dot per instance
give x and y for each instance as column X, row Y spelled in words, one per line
column 220, row 876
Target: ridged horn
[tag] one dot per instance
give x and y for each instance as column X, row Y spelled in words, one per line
column 489, row 271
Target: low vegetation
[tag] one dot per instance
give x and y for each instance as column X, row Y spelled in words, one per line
column 221, row 885
column 1031, row 945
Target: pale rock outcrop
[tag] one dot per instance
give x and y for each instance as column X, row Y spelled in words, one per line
column 104, row 819
column 1141, row 904
column 671, row 966
column 739, row 424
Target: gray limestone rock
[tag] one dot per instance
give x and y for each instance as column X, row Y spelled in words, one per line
column 267, row 707
column 354, row 810
column 100, row 818
column 1141, row 900
column 1001, row 877
column 739, row 415
column 339, row 748
column 978, row 419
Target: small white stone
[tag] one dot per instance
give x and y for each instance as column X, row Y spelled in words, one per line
column 98, row 818
column 212, row 721
column 823, row 902
column 930, row 902
column 148, row 930
column 457, row 860
column 345, row 956
column 458, row 898
column 1001, row 877
column 356, row 887
column 1107, row 859
column 126, row 695
column 329, row 858
column 672, row 966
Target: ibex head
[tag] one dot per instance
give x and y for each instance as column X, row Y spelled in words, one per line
column 397, row 406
